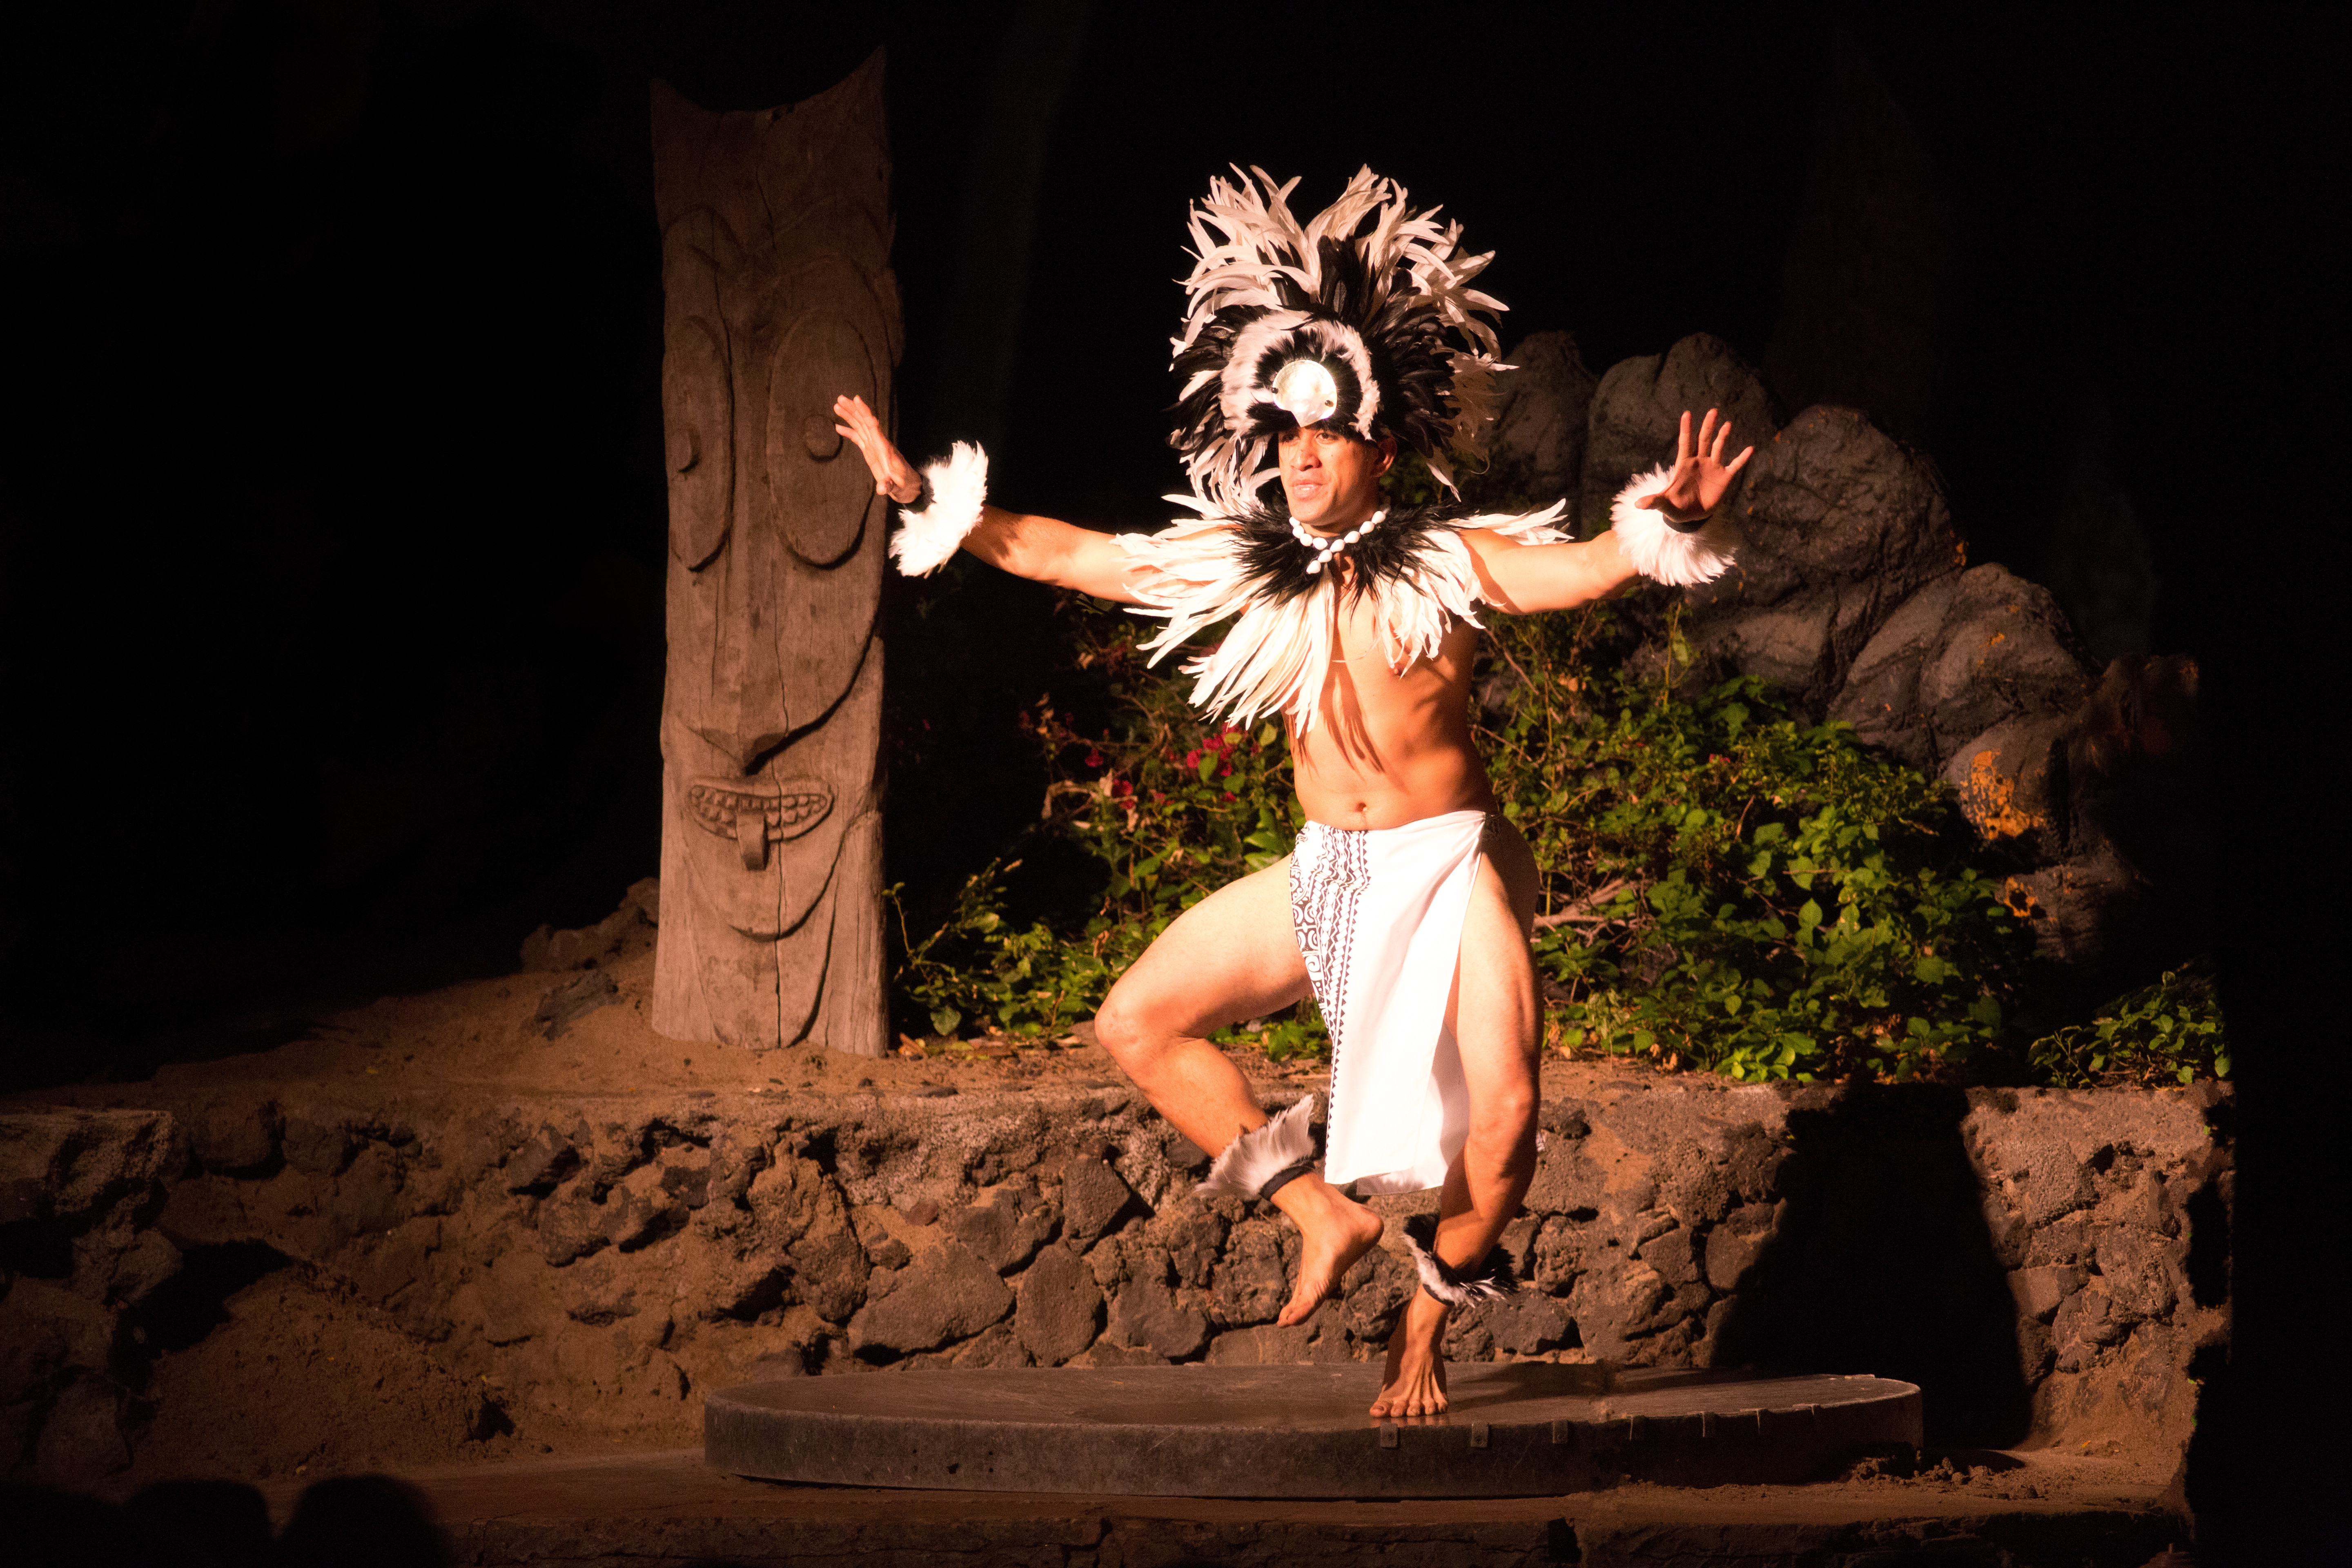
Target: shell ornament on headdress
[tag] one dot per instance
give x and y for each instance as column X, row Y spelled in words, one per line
column 1363, row 317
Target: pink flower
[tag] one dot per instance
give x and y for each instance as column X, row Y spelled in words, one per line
column 1094, row 758
column 1192, row 759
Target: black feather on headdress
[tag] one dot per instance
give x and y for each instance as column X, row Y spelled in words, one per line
column 1363, row 318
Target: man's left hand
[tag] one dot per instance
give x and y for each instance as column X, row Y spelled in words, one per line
column 1701, row 476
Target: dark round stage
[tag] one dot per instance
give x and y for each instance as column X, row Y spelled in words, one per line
column 1525, row 1429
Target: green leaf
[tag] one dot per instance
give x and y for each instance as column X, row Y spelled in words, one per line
column 944, row 1020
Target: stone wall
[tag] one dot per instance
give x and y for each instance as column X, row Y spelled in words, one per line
column 2047, row 1266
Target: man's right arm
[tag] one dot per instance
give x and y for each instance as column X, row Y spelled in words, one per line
column 1048, row 549
column 1043, row 549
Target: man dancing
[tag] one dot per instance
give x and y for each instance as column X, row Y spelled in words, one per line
column 1407, row 903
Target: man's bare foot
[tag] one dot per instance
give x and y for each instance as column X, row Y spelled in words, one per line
column 1414, row 1381
column 1334, row 1231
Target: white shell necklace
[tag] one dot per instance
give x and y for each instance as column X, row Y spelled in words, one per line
column 1330, row 550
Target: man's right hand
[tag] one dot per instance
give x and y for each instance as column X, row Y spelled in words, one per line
column 893, row 475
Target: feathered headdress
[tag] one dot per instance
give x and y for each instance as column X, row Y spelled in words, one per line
column 1363, row 317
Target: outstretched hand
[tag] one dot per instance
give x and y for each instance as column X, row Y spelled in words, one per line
column 893, row 475
column 1701, row 476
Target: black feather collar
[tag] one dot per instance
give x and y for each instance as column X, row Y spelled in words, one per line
column 1274, row 562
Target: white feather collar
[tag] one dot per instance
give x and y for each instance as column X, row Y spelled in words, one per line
column 1278, row 654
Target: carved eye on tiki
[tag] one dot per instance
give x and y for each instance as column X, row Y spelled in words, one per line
column 757, row 817
column 698, row 397
column 822, row 503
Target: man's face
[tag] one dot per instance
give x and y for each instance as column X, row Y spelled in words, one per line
column 1332, row 479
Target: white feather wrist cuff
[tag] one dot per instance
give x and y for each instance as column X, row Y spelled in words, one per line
column 1262, row 1154
column 1659, row 550
column 958, row 488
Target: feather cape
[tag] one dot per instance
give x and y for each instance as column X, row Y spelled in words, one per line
column 1413, row 568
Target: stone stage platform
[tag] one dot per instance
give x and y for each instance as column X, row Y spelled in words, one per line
column 669, row 1510
column 1523, row 1429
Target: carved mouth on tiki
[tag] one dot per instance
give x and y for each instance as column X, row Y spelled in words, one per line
column 757, row 817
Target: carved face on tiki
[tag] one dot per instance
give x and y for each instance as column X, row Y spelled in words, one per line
column 777, row 298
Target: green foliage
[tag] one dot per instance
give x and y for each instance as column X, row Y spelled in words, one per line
column 1729, row 887
column 1723, row 886
column 2170, row 1032
column 1167, row 809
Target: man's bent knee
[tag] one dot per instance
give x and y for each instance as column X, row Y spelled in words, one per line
column 1126, row 1028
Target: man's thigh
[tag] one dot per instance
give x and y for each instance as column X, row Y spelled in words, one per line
column 1231, row 957
column 1497, row 1012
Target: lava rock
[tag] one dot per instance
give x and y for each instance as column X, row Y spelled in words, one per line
column 1322, row 1337
column 2011, row 784
column 1526, row 1323
column 1253, row 1282
column 1832, row 498
column 1092, row 1198
column 232, row 1137
column 545, row 1158
column 949, row 1295
column 1544, row 407
column 1192, row 1235
column 560, row 1006
column 1060, row 1308
column 830, row 1272
column 1147, row 1312
column 84, row 1439
column 1881, row 695
column 2087, row 1322
column 316, row 1147
column 1840, row 527
column 999, row 1233
column 2038, row 1293
column 1672, row 1255
column 2135, row 1267
column 1734, row 1246
column 1637, row 404
column 2003, row 650
column 1373, row 1292
column 993, row 1346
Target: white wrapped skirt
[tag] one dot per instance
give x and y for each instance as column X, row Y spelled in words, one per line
column 1378, row 913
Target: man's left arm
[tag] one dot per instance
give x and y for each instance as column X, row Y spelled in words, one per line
column 1526, row 579
column 1655, row 525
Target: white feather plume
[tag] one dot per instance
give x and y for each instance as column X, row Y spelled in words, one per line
column 958, row 491
column 1262, row 1154
column 1659, row 550
column 1277, row 657
column 1245, row 242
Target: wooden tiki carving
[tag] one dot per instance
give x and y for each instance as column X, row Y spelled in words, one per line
column 777, row 297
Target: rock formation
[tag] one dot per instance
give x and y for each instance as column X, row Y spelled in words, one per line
column 777, row 296
column 1854, row 593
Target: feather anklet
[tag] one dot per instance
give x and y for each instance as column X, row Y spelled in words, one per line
column 1456, row 1287
column 1262, row 1161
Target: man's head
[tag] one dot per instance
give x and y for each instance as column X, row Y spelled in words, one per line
column 1332, row 479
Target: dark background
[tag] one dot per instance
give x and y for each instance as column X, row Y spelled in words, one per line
column 334, row 514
